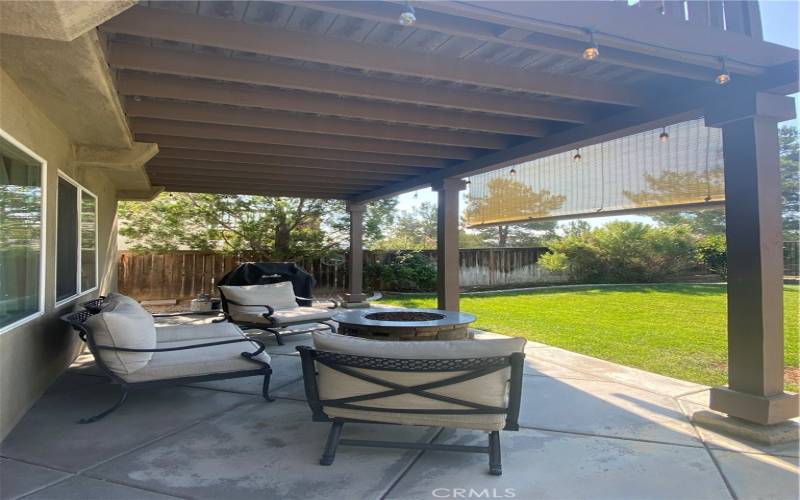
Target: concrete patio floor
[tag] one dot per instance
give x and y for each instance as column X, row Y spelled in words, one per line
column 590, row 429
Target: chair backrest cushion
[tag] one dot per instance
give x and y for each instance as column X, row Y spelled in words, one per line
column 122, row 324
column 113, row 298
column 255, row 297
column 490, row 389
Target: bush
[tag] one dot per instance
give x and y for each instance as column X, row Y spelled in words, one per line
column 405, row 272
column 713, row 252
column 622, row 252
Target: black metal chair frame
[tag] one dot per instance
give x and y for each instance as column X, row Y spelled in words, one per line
column 78, row 322
column 272, row 326
column 471, row 368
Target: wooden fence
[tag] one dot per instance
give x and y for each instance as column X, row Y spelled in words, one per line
column 182, row 275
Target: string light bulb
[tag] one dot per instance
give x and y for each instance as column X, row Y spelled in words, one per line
column 724, row 76
column 577, row 156
column 592, row 51
column 416, row 195
column 408, row 17
column 513, row 172
column 663, row 136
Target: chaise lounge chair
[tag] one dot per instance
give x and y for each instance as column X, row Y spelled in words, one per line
column 467, row 384
column 134, row 353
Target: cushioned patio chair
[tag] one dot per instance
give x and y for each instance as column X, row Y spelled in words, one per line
column 134, row 353
column 273, row 308
column 467, row 384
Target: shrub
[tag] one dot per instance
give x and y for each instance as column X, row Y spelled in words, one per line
column 622, row 252
column 713, row 252
column 407, row 271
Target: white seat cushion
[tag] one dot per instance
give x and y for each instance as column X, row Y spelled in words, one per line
column 173, row 333
column 121, row 324
column 254, row 298
column 490, row 389
column 289, row 315
column 224, row 358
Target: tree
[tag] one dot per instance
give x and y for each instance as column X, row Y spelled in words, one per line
column 527, row 203
column 280, row 228
column 790, row 182
column 711, row 221
column 622, row 252
column 413, row 229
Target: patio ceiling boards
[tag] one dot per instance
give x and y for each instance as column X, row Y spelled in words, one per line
column 337, row 100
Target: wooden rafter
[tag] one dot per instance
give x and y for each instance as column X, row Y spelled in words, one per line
column 477, row 29
column 167, row 87
column 233, row 35
column 282, row 120
column 182, row 63
column 158, row 172
column 217, row 188
column 263, row 136
column 199, row 146
column 301, row 167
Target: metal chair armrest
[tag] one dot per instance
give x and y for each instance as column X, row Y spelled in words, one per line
column 261, row 347
column 311, row 299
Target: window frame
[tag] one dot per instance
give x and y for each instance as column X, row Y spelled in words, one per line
column 42, row 233
column 78, row 265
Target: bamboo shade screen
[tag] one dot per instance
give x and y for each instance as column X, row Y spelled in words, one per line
column 637, row 172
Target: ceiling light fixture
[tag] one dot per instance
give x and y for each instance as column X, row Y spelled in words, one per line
column 592, row 51
column 408, row 16
column 724, row 76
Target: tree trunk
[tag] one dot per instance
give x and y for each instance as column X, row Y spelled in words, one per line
column 283, row 239
column 502, row 236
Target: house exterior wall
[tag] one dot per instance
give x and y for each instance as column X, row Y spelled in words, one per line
column 33, row 354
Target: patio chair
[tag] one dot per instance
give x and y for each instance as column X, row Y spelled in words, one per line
column 273, row 308
column 135, row 354
column 467, row 384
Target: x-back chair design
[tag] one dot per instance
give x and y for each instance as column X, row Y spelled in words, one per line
column 257, row 359
column 378, row 371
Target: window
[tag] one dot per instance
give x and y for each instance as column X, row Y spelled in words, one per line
column 76, row 248
column 21, row 233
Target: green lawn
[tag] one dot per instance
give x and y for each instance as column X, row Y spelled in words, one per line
column 678, row 330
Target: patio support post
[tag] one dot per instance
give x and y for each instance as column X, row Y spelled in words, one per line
column 447, row 282
column 355, row 296
column 755, row 259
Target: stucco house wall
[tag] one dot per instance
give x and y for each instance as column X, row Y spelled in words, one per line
column 32, row 355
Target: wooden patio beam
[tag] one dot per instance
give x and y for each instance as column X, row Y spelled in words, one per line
column 251, row 190
column 283, row 120
column 332, row 167
column 263, row 136
column 305, row 46
column 182, row 63
column 230, row 167
column 162, row 86
column 276, row 179
column 477, row 29
column 299, row 186
column 202, row 146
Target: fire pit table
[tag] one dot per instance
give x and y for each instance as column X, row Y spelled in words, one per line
column 404, row 324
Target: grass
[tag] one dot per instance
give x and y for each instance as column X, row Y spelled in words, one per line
column 677, row 330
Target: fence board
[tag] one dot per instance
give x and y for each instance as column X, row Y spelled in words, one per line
column 182, row 275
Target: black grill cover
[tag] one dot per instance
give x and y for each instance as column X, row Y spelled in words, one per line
column 262, row 273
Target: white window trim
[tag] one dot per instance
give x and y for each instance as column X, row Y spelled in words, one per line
column 81, row 190
column 42, row 233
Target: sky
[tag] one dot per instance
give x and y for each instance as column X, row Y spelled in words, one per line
column 779, row 19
